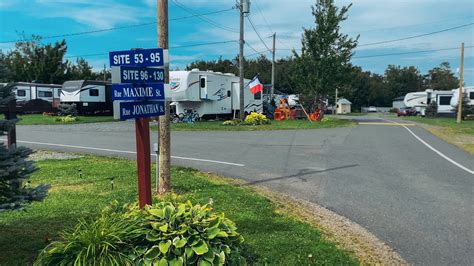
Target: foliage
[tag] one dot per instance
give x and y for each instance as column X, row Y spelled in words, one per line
column 467, row 109
column 33, row 61
column 256, row 119
column 166, row 232
column 67, row 109
column 441, row 78
column 67, row 119
column 394, row 110
column 323, row 64
column 108, row 240
column 401, row 80
column 191, row 234
column 15, row 169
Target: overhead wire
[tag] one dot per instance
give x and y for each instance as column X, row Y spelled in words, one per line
column 258, row 34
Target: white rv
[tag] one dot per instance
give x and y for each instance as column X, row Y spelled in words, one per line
column 210, row 93
column 90, row 96
column 467, row 91
column 421, row 99
column 25, row 92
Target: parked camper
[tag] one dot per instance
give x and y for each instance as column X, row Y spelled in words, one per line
column 210, row 93
column 90, row 96
column 467, row 92
column 420, row 100
column 25, row 92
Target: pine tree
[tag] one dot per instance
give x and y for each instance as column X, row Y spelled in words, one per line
column 15, row 169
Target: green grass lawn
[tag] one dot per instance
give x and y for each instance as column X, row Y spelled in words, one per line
column 39, row 119
column 272, row 237
column 461, row 135
column 275, row 125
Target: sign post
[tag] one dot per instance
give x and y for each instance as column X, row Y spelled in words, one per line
column 140, row 92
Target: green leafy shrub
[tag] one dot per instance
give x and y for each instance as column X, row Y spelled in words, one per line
column 183, row 233
column 167, row 233
column 393, row 110
column 108, row 240
column 255, row 119
column 67, row 119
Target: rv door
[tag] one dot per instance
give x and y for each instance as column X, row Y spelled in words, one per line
column 203, row 87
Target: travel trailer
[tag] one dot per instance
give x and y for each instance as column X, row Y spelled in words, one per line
column 467, row 91
column 210, row 94
column 421, row 99
column 90, row 96
column 25, row 92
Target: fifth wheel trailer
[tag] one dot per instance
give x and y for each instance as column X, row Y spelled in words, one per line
column 89, row 96
column 211, row 93
column 421, row 99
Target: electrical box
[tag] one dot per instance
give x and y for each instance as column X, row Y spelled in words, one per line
column 245, row 6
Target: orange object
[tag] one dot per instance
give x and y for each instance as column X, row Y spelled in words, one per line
column 316, row 115
column 283, row 111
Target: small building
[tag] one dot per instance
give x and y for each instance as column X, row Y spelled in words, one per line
column 343, row 106
column 398, row 102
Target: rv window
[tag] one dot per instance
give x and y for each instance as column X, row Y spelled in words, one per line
column 94, row 92
column 59, row 92
column 21, row 93
column 471, row 95
column 228, row 93
column 203, row 82
column 45, row 94
column 257, row 96
column 444, row 100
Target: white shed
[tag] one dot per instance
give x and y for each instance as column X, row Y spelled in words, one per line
column 343, row 106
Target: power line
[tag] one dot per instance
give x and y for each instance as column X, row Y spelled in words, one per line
column 417, row 36
column 172, row 47
column 119, row 28
column 414, row 52
column 256, row 52
column 212, row 22
column 258, row 34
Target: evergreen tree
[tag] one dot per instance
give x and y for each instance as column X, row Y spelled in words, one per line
column 15, row 169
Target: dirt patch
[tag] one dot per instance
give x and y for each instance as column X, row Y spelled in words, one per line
column 348, row 235
column 40, row 155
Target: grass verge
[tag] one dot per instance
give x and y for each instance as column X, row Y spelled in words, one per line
column 275, row 125
column 272, row 237
column 461, row 135
column 39, row 119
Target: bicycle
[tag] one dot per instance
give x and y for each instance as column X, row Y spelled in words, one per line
column 187, row 117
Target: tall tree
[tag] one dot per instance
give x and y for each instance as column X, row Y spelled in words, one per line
column 441, row 78
column 326, row 52
column 34, row 61
column 401, row 81
column 81, row 70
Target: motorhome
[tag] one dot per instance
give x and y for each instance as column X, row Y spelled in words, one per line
column 421, row 99
column 25, row 92
column 89, row 96
column 467, row 92
column 211, row 94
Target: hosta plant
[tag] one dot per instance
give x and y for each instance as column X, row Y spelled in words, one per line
column 183, row 233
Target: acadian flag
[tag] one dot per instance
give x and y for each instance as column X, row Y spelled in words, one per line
column 255, row 85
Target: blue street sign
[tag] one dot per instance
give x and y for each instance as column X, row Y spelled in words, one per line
column 127, row 92
column 138, row 58
column 131, row 110
column 140, row 75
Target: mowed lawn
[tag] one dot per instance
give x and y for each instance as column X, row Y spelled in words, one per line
column 275, row 125
column 448, row 129
column 271, row 237
column 39, row 119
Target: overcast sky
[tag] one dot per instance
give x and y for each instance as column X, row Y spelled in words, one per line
column 374, row 20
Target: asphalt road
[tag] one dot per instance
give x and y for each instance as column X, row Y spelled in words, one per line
column 380, row 176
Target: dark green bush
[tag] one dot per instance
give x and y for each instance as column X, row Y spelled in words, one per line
column 167, row 233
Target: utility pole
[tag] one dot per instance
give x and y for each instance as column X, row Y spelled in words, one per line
column 335, row 103
column 244, row 8
column 273, row 68
column 164, row 121
column 461, row 69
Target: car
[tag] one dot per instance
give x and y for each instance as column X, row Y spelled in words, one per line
column 407, row 111
column 372, row 109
